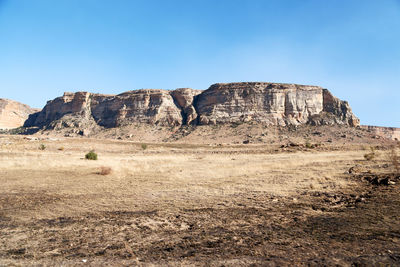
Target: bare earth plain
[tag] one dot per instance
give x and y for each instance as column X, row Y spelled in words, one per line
column 273, row 204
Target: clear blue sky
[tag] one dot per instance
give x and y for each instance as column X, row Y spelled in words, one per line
column 350, row 47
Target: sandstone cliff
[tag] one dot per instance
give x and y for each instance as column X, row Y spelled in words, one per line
column 272, row 103
column 268, row 103
column 13, row 114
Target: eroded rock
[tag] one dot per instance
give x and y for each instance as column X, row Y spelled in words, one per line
column 268, row 103
column 271, row 103
column 185, row 98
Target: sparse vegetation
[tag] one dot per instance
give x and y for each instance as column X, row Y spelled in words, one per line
column 91, row 155
column 309, row 145
column 42, row 147
column 394, row 159
column 144, row 146
column 124, row 193
column 370, row 156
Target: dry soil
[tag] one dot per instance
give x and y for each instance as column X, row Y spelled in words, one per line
column 196, row 204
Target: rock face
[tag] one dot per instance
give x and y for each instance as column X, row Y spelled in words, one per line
column 269, row 103
column 185, row 98
column 143, row 106
column 13, row 114
column 272, row 103
column 278, row 104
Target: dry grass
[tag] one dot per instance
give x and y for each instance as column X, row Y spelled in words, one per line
column 370, row 156
column 179, row 175
column 394, row 159
column 42, row 147
column 105, row 170
column 55, row 205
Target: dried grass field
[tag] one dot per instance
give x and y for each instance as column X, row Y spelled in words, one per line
column 188, row 204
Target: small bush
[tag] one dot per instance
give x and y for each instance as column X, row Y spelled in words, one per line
column 394, row 159
column 91, row 155
column 309, row 145
column 105, row 170
column 42, row 147
column 370, row 156
column 144, row 146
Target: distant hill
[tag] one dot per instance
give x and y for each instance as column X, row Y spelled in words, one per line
column 13, row 114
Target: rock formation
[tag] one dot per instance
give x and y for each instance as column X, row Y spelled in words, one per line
column 269, row 103
column 184, row 98
column 13, row 114
column 272, row 103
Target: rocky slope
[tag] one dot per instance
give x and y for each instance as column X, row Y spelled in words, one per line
column 13, row 114
column 268, row 103
column 385, row 132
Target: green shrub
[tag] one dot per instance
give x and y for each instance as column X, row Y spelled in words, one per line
column 144, row 146
column 42, row 147
column 91, row 155
column 310, row 145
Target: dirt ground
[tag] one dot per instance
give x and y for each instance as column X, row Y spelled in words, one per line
column 273, row 203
